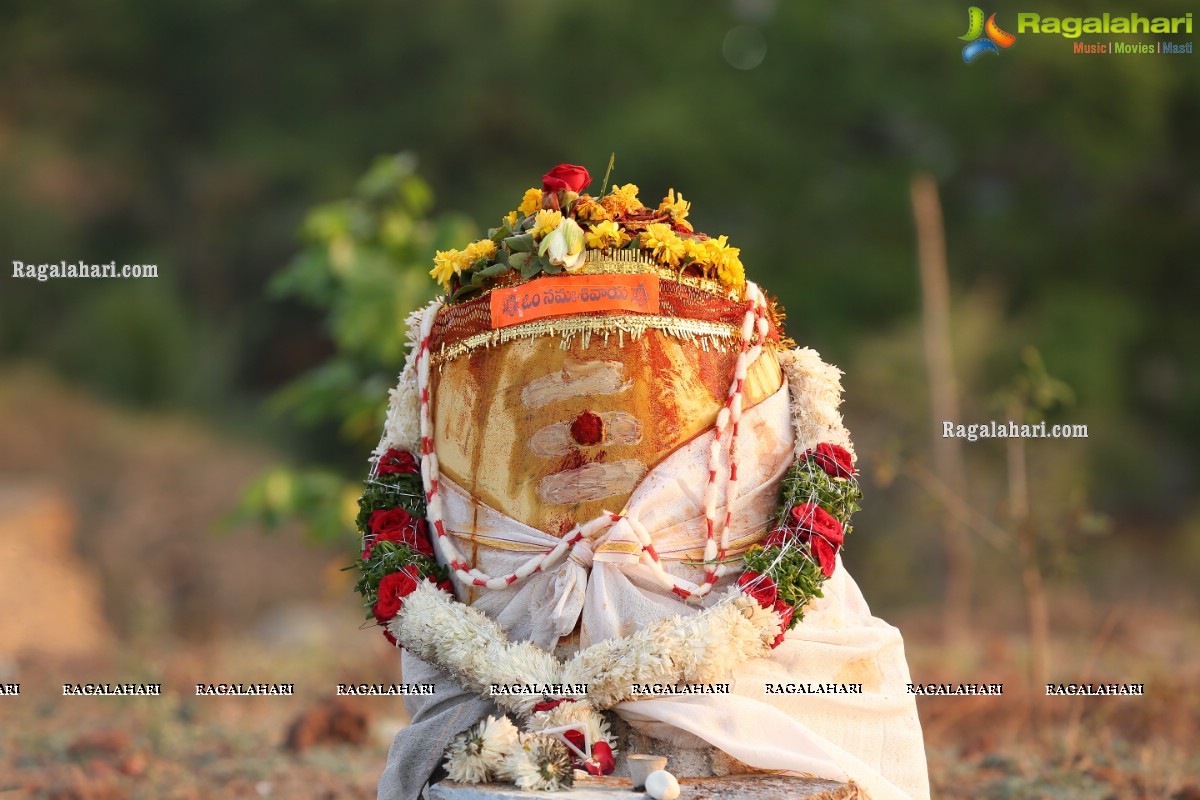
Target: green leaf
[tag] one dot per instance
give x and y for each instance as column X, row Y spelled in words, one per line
column 494, row 270
column 531, row 267
column 498, row 235
column 518, row 261
column 520, row 244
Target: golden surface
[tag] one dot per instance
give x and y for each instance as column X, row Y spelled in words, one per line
column 483, row 425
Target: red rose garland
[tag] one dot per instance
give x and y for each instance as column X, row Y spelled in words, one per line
column 786, row 569
column 397, row 552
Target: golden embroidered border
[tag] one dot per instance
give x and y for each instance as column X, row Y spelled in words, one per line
column 625, row 262
column 704, row 334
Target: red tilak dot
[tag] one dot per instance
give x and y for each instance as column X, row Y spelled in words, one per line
column 684, row 593
column 440, row 530
column 576, row 538
column 710, row 528
column 650, row 549
column 588, row 429
column 511, row 579
column 434, row 484
column 616, row 517
column 733, row 471
column 710, row 577
column 478, row 582
column 538, row 568
column 425, row 395
column 712, row 476
column 739, row 385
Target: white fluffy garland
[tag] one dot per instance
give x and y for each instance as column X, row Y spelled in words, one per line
column 402, row 428
column 816, row 391
column 476, row 652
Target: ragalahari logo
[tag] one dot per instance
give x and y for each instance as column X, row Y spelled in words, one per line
column 983, row 37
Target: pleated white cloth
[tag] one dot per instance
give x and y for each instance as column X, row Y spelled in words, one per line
column 873, row 738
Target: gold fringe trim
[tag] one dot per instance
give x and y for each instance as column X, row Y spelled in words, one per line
column 636, row 262
column 705, row 335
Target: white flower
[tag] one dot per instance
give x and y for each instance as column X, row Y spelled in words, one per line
column 539, row 764
column 498, row 735
column 565, row 245
column 478, row 753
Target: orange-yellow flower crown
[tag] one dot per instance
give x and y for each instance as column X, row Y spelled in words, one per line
column 559, row 229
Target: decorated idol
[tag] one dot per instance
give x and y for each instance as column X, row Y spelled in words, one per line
column 605, row 517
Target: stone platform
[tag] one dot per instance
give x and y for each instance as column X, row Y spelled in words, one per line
column 727, row 787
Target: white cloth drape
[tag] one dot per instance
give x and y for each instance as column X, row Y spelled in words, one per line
column 873, row 738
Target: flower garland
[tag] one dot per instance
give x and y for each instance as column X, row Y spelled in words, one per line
column 396, row 551
column 785, row 571
column 553, row 228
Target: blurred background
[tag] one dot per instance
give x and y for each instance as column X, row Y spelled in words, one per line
column 1013, row 238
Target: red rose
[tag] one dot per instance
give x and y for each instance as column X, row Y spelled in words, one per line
column 447, row 587
column 785, row 618
column 760, row 587
column 397, row 525
column 566, row 178
column 777, row 538
column 822, row 532
column 398, row 462
column 575, row 738
column 392, row 591
column 834, row 459
column 602, row 762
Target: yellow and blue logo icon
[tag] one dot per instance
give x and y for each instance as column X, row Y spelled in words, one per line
column 983, row 37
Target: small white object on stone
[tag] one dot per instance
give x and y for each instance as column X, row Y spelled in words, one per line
column 661, row 785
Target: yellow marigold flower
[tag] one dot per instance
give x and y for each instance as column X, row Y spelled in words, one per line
column 666, row 246
column 446, row 265
column 697, row 252
column 727, row 260
column 511, row 219
column 606, row 234
column 714, row 249
column 484, row 248
column 622, row 200
column 732, row 272
column 589, row 210
column 678, row 208
column 531, row 202
column 545, row 221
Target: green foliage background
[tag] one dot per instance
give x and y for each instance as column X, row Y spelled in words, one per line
column 203, row 136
